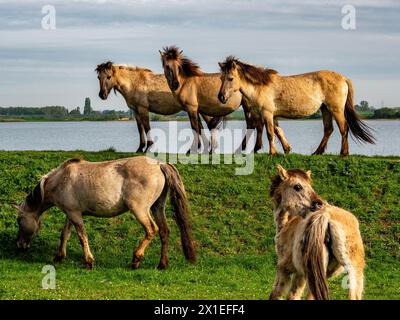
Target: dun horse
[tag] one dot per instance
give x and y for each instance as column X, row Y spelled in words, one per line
column 197, row 92
column 295, row 96
column 314, row 240
column 143, row 92
column 108, row 189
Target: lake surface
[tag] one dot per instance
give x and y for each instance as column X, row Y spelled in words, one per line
column 304, row 136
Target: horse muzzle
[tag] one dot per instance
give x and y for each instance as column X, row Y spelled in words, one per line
column 103, row 95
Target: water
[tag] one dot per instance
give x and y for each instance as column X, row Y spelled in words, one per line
column 304, row 136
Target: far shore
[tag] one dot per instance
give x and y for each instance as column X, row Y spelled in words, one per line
column 180, row 119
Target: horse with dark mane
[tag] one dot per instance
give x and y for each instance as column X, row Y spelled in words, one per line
column 295, row 96
column 197, row 91
column 144, row 92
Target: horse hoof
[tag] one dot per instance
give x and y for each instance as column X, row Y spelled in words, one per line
column 58, row 258
column 287, row 151
column 136, row 262
column 89, row 264
column 162, row 266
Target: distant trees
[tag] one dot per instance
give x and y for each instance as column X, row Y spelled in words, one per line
column 76, row 111
column 364, row 107
column 88, row 108
column 387, row 113
column 49, row 111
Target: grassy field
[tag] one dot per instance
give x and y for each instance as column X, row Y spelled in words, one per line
column 233, row 227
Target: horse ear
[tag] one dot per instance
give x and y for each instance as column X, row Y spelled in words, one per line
column 308, row 173
column 161, row 53
column 234, row 66
column 221, row 65
column 16, row 206
column 180, row 52
column 282, row 172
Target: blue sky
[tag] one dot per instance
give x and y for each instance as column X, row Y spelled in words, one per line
column 40, row 67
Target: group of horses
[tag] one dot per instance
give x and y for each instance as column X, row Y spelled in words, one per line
column 263, row 93
column 314, row 240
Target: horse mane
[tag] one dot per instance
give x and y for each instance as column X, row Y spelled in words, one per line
column 109, row 64
column 253, row 74
column 132, row 68
column 104, row 66
column 36, row 197
column 188, row 67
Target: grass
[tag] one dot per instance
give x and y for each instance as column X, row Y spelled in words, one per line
column 233, row 227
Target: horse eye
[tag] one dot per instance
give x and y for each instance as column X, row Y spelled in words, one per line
column 230, row 79
column 109, row 77
column 298, row 187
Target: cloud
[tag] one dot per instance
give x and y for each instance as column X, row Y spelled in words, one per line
column 290, row 36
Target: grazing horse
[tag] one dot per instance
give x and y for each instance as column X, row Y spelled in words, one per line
column 143, row 92
column 295, row 96
column 107, row 189
column 314, row 240
column 197, row 91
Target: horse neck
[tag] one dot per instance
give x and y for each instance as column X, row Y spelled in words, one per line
column 281, row 217
column 126, row 81
column 248, row 90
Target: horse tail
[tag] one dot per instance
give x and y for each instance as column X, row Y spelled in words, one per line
column 180, row 204
column 313, row 255
column 359, row 129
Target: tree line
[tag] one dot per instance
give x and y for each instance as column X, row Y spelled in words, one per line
column 62, row 113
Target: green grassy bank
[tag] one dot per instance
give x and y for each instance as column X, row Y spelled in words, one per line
column 233, row 227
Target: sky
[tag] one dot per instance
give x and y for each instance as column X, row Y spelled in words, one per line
column 56, row 67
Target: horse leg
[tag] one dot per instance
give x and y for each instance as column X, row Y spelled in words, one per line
column 344, row 131
column 158, row 210
column 212, row 124
column 259, row 129
column 250, row 125
column 77, row 221
column 297, row 288
column 196, row 127
column 328, row 129
column 141, row 132
column 150, row 228
column 281, row 285
column 279, row 133
column 65, row 234
column 360, row 283
column 146, row 125
column 269, row 125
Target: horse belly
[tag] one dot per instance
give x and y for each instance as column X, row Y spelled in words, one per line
column 102, row 196
column 163, row 103
column 297, row 107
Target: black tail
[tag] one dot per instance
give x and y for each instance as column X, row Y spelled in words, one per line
column 180, row 204
column 358, row 128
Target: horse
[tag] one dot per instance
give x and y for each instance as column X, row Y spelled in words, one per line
column 296, row 96
column 108, row 189
column 144, row 92
column 196, row 91
column 314, row 240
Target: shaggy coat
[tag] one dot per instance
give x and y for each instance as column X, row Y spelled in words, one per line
column 314, row 240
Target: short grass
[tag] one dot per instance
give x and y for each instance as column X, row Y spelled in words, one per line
column 233, row 227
